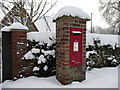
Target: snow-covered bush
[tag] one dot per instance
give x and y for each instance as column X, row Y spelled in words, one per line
column 42, row 54
column 102, row 55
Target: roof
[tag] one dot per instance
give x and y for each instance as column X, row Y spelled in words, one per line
column 4, row 20
column 46, row 24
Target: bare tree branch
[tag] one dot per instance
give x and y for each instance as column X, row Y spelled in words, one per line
column 110, row 10
column 36, row 11
column 28, row 11
column 45, row 12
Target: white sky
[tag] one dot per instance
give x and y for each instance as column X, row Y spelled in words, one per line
column 89, row 6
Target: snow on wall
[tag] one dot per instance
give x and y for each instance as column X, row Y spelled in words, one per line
column 71, row 11
column 6, row 29
column 105, row 39
column 44, row 37
column 41, row 37
column 15, row 25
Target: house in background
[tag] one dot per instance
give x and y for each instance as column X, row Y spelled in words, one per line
column 14, row 16
column 42, row 25
column 46, row 24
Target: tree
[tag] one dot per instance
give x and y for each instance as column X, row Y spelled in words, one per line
column 34, row 9
column 110, row 10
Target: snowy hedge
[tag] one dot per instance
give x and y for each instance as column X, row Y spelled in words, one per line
column 102, row 51
column 102, row 55
column 41, row 51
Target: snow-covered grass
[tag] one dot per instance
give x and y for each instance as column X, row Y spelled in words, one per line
column 97, row 78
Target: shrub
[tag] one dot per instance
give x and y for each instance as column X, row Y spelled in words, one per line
column 102, row 55
column 43, row 58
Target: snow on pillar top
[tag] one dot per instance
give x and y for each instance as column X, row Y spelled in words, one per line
column 15, row 26
column 71, row 11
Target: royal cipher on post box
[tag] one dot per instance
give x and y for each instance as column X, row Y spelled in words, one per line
column 70, row 44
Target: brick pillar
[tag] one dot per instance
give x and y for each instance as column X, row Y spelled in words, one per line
column 19, row 49
column 65, row 73
column 14, row 44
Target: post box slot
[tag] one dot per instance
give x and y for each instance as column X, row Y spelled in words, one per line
column 76, row 33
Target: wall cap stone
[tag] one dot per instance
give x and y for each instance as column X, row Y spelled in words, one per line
column 15, row 27
column 71, row 12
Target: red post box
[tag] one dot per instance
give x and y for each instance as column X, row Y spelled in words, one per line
column 75, row 46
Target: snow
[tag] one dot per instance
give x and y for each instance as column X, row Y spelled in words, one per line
column 44, row 37
column 71, row 11
column 29, row 56
column 88, row 53
column 76, row 32
column 105, row 39
column 20, row 43
column 15, row 25
column 114, row 61
column 48, row 52
column 110, row 58
column 36, row 69
column 45, row 68
column 41, row 59
column 97, row 78
column 35, row 51
column 18, row 53
column 5, row 29
column 41, row 37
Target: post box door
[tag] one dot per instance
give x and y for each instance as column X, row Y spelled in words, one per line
column 75, row 46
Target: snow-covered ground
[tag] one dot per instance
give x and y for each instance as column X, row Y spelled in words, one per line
column 97, row 78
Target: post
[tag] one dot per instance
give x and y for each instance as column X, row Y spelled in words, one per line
column 70, row 49
column 14, row 46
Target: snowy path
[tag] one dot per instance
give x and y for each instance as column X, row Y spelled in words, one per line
column 97, row 78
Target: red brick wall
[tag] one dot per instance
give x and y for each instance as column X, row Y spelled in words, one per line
column 19, row 48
